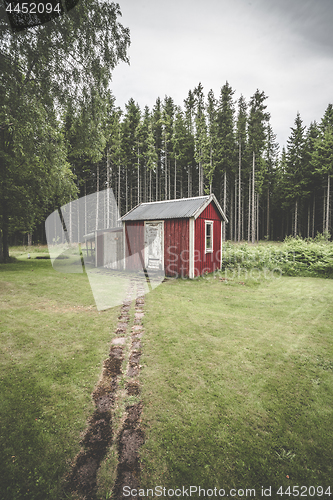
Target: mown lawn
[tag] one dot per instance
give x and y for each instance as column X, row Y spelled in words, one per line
column 237, row 380
column 238, row 384
column 53, row 343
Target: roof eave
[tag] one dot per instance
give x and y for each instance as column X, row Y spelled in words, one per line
column 132, row 209
column 211, row 198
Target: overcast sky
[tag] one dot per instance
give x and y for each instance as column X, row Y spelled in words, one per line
column 283, row 47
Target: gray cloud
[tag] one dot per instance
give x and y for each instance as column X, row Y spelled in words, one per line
column 282, row 47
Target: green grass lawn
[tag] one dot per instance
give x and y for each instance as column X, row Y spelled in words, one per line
column 238, row 384
column 53, row 343
column 237, row 380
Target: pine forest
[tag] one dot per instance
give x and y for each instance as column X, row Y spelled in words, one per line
column 214, row 144
column 62, row 137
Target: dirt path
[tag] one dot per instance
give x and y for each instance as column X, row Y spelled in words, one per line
column 98, row 436
column 131, row 436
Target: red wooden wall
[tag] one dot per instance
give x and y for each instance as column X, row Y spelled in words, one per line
column 209, row 262
column 176, row 247
column 134, row 231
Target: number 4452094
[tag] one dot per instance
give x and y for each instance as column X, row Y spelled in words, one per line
column 33, row 8
column 305, row 491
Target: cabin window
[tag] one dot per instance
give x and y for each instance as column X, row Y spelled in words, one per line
column 209, row 236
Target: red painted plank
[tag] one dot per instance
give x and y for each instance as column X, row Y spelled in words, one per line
column 176, row 247
column 134, row 231
column 210, row 261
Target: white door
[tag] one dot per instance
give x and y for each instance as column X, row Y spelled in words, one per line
column 154, row 245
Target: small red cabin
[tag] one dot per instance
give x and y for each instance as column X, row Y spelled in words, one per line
column 181, row 237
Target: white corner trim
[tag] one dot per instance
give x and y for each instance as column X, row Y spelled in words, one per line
column 191, row 247
column 95, row 248
column 221, row 244
column 209, row 223
column 124, row 245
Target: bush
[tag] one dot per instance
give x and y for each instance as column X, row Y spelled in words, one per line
column 294, row 257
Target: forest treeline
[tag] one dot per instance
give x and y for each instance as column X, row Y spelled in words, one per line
column 62, row 137
column 215, row 144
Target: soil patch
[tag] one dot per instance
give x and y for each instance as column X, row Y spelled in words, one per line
column 96, row 442
column 104, row 396
column 133, row 371
column 129, row 442
column 112, row 365
column 135, row 357
column 133, row 388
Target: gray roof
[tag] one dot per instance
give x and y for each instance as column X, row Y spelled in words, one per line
column 172, row 209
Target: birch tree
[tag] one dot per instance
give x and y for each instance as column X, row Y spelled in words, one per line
column 41, row 69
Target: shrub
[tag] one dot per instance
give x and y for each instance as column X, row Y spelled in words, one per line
column 294, row 257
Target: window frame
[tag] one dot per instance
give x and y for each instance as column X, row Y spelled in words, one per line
column 209, row 223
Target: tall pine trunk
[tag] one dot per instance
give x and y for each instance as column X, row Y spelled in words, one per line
column 257, row 217
column 165, row 172
column 324, row 210
column 189, row 182
column 139, row 189
column 108, row 186
column 328, row 201
column 253, row 207
column 175, row 180
column 181, row 183
column 231, row 236
column 249, row 213
column 235, row 230
column 267, row 227
column 126, row 191
column 85, row 207
column 243, row 218
column 296, row 218
column 313, row 216
column 150, row 184
column 156, row 187
column 97, row 206
column 119, row 199
column 1, row 249
column 239, row 190
column 224, row 202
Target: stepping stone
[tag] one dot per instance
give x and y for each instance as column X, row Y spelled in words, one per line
column 133, row 371
column 137, row 328
column 121, row 325
column 119, row 341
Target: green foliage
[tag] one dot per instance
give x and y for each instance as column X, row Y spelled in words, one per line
column 256, row 123
column 225, row 130
column 294, row 257
column 296, row 182
column 64, row 65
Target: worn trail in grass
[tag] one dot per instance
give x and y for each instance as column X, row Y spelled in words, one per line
column 53, row 342
column 238, row 384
